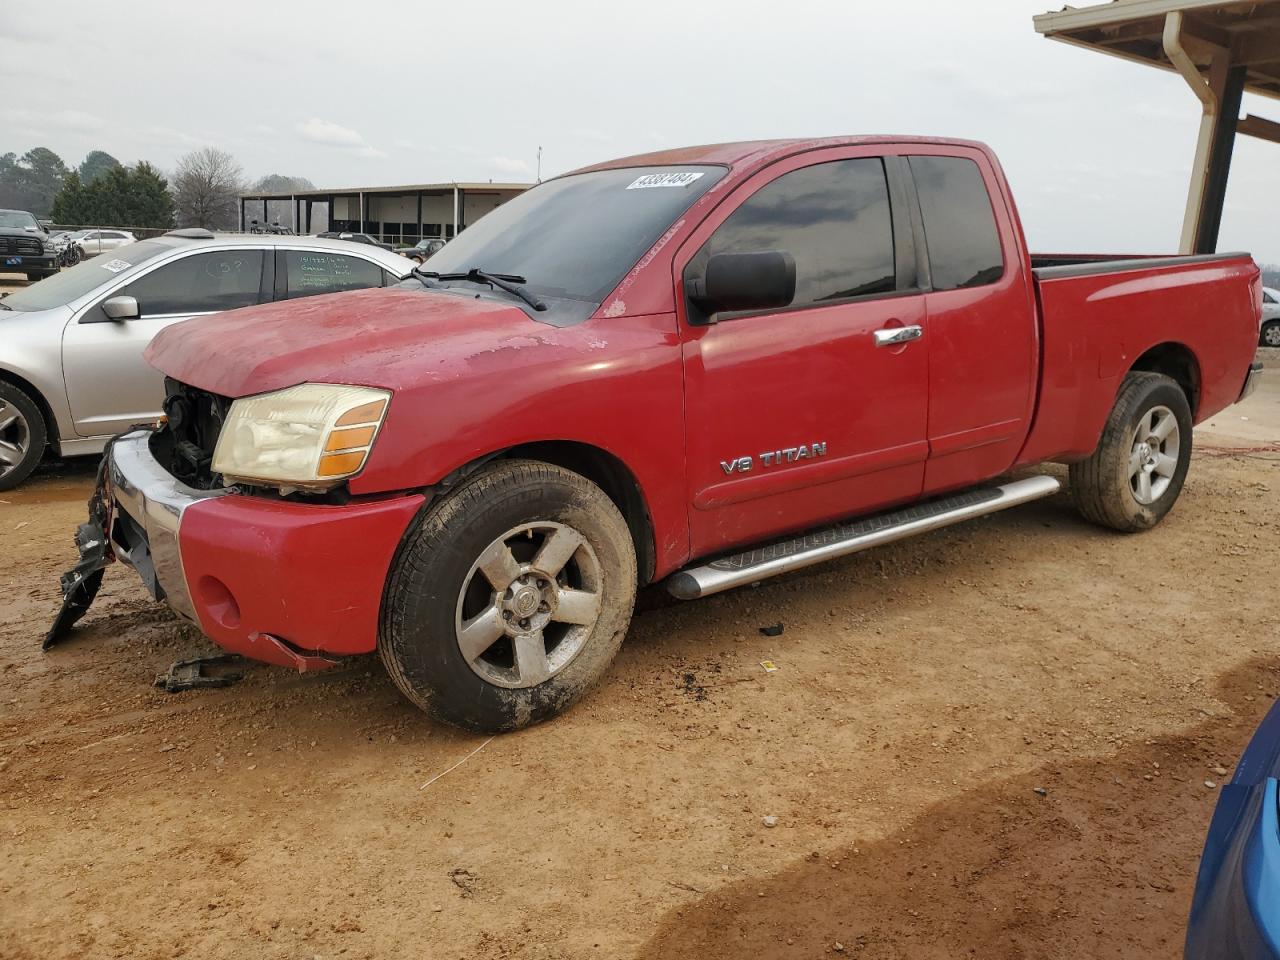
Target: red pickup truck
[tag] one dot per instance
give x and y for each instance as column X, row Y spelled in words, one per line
column 704, row 366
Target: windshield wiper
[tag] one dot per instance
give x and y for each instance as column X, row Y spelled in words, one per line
column 510, row 282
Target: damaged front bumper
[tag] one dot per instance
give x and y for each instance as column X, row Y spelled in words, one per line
column 293, row 584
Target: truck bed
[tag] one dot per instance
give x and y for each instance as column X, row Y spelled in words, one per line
column 1194, row 317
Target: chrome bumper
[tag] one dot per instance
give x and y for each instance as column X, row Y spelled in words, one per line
column 1251, row 379
column 154, row 501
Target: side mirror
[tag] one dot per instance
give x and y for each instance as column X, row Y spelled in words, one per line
column 121, row 308
column 745, row 281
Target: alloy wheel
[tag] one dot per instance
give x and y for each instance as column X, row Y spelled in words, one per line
column 1153, row 460
column 15, row 437
column 529, row 604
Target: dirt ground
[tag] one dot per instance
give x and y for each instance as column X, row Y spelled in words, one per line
column 923, row 693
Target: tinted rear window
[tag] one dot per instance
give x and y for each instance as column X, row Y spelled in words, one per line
column 959, row 225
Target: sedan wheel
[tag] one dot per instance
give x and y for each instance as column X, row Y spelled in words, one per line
column 1271, row 334
column 22, row 436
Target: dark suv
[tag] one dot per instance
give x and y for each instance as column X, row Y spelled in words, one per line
column 25, row 247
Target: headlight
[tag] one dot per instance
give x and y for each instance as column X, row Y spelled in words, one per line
column 312, row 436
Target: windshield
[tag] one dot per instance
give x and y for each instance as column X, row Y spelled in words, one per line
column 576, row 237
column 17, row 219
column 67, row 285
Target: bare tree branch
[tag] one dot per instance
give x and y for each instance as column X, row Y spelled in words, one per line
column 206, row 189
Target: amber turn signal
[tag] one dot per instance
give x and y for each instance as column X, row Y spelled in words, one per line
column 370, row 412
column 340, row 464
column 349, row 438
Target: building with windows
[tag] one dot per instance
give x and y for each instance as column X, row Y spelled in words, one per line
column 403, row 214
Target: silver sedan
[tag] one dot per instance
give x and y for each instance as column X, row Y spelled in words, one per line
column 72, row 373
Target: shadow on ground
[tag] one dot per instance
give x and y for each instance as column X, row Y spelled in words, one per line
column 1102, row 865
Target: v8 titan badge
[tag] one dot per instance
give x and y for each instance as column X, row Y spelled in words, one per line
column 775, row 458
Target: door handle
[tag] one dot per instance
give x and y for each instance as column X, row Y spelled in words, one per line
column 893, row 336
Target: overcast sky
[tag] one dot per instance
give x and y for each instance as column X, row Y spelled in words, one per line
column 1098, row 150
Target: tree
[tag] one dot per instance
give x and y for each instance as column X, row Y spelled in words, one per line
column 95, row 165
column 122, row 197
column 281, row 210
column 207, row 188
column 31, row 182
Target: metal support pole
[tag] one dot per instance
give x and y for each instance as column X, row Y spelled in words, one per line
column 242, row 214
column 360, row 229
column 1220, row 97
column 1224, row 139
column 455, row 209
column 418, row 229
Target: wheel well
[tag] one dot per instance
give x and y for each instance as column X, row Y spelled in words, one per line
column 50, row 424
column 608, row 473
column 1178, row 363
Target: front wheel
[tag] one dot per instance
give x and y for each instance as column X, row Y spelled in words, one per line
column 1270, row 334
column 1135, row 475
column 22, row 436
column 510, row 597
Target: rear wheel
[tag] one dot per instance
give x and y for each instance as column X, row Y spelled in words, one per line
column 1135, row 475
column 1270, row 334
column 22, row 436
column 510, row 598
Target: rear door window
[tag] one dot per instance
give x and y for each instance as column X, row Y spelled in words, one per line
column 832, row 217
column 200, row 283
column 308, row 273
column 959, row 224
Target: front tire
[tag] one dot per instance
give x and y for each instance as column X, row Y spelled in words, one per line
column 1270, row 336
column 22, row 436
column 509, row 598
column 1136, row 473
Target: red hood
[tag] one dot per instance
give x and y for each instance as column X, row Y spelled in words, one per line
column 388, row 338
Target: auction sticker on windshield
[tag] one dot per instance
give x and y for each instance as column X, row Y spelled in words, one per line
column 663, row 180
column 115, row 266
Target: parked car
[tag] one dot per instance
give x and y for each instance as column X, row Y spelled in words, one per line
column 1235, row 909
column 422, row 251
column 355, row 238
column 1269, row 333
column 643, row 371
column 24, row 246
column 71, row 367
column 94, row 242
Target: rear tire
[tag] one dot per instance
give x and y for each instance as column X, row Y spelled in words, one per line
column 22, row 436
column 1136, row 473
column 509, row 598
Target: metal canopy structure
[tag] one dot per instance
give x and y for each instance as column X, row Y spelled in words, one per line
column 405, row 213
column 1222, row 48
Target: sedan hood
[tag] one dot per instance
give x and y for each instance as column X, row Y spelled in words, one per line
column 392, row 338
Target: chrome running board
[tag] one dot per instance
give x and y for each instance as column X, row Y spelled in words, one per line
column 807, row 549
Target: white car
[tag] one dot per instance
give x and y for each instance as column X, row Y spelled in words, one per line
column 94, row 242
column 1269, row 332
column 72, row 373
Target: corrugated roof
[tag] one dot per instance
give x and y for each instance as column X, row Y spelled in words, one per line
column 1134, row 29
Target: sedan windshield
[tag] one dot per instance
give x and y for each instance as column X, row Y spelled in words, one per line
column 68, row 285
column 17, row 220
column 575, row 237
